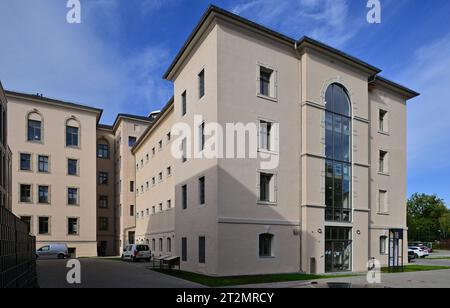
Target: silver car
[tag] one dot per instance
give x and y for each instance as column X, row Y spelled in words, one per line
column 53, row 251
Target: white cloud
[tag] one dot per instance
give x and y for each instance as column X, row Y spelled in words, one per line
column 80, row 63
column 325, row 20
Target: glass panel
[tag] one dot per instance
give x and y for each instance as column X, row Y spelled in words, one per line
column 346, row 139
column 329, row 135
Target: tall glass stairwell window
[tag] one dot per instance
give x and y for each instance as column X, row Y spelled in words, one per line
column 338, row 168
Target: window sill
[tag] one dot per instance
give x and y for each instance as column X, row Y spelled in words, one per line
column 383, row 213
column 267, row 203
column 267, row 258
column 269, row 152
column 384, row 133
column 268, row 98
column 383, row 173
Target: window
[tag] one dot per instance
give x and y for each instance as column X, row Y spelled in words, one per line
column 382, row 201
column 169, row 171
column 338, row 249
column 153, row 181
column 184, row 197
column 103, row 178
column 72, row 196
column 160, row 207
column 142, row 189
column 265, row 245
column 160, row 144
column 383, row 165
column 103, row 150
column 25, row 162
column 160, row 176
column 153, row 151
column 201, row 84
column 72, row 226
column 131, row 210
column 142, row 163
column 202, row 250
column 169, row 204
column 153, row 244
column 169, row 137
column 383, row 125
column 131, row 186
column 161, row 245
column 147, row 185
column 153, row 210
column 147, row 158
column 383, row 245
column 201, row 132
column 43, row 192
column 267, row 188
column 27, row 221
column 169, row 244
column 25, row 193
column 338, row 153
column 103, row 224
column 103, row 202
column 267, row 136
column 43, row 164
column 72, row 136
column 72, row 167
column 44, row 225
column 183, row 103
column 147, row 212
column 34, row 130
column 184, row 150
column 201, row 188
column 131, row 141
column 267, row 82
column 184, row 249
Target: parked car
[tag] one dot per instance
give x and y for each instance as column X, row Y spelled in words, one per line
column 419, row 252
column 411, row 255
column 137, row 252
column 430, row 250
column 53, row 251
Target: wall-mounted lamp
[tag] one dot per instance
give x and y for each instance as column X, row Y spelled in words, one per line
column 319, row 231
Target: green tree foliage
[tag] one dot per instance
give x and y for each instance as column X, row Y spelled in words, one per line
column 426, row 216
column 444, row 222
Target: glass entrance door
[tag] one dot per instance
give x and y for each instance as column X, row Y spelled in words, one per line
column 338, row 249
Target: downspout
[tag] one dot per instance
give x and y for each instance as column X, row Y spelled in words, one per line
column 299, row 68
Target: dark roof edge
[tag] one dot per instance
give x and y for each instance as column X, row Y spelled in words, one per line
column 307, row 40
column 131, row 117
column 105, row 127
column 215, row 9
column 161, row 115
column 407, row 92
column 44, row 99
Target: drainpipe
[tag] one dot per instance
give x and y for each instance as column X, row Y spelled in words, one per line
column 299, row 68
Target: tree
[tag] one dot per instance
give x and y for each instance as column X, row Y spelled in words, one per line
column 444, row 222
column 424, row 213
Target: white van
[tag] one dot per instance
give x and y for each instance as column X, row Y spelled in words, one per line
column 137, row 252
column 53, row 251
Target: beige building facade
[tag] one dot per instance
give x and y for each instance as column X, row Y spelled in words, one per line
column 336, row 198
column 5, row 155
column 54, row 170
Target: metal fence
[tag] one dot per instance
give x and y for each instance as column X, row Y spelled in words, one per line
column 17, row 253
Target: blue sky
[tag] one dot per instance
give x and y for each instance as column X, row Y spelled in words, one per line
column 116, row 57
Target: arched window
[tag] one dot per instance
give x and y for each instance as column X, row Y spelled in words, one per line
column 160, row 244
column 153, row 245
column 169, row 244
column 34, row 127
column 72, row 133
column 103, row 149
column 265, row 245
column 338, row 154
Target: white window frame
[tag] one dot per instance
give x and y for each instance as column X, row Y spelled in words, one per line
column 273, row 86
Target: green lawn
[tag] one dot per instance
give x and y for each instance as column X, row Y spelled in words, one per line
column 439, row 258
column 243, row 280
column 420, row 268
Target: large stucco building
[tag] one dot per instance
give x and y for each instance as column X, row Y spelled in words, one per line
column 336, row 130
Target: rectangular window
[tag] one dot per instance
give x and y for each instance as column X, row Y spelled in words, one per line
column 266, row 136
column 169, row 244
column 184, row 150
column 25, row 193
column 72, row 136
column 72, row 167
column 169, row 171
column 201, row 132
column 43, row 165
column 184, row 197
column 43, row 192
column 131, row 141
column 103, row 150
column 202, row 250
column 72, row 226
column 267, row 187
column 132, row 210
column 72, row 196
column 201, row 188
column 201, row 84
column 383, row 202
column 383, row 121
column 160, row 176
column 169, row 204
column 184, row 249
column 160, row 144
column 44, row 225
column 169, row 137
column 383, row 165
column 265, row 245
column 131, row 186
column 153, row 181
column 25, row 162
column 103, row 202
column 383, row 245
column 103, row 178
column 34, row 130
column 103, row 224
column 160, row 207
column 27, row 221
column 153, row 210
column 183, row 103
column 266, row 82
